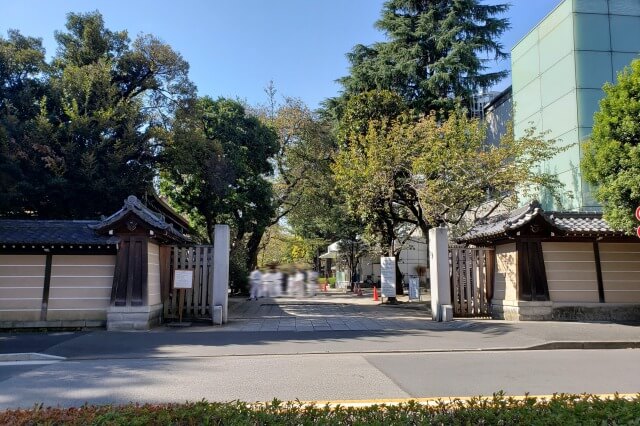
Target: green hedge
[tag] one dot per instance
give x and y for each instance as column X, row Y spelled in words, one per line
column 561, row 409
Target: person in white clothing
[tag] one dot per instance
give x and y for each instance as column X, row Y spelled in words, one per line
column 312, row 282
column 267, row 278
column 276, row 283
column 255, row 280
column 298, row 283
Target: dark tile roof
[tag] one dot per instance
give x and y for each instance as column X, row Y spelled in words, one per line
column 564, row 223
column 51, row 232
column 581, row 223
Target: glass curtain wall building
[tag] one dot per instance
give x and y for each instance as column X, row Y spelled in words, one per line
column 558, row 70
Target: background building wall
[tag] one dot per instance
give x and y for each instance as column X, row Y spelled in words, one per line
column 414, row 252
column 558, row 70
column 497, row 115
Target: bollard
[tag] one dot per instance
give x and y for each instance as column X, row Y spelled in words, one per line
column 447, row 313
column 217, row 314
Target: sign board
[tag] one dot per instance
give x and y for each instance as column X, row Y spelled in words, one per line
column 638, row 213
column 638, row 231
column 388, row 276
column 414, row 287
column 183, row 278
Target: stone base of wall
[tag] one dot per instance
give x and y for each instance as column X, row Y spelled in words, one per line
column 55, row 324
column 596, row 312
column 520, row 310
column 133, row 317
column 550, row 311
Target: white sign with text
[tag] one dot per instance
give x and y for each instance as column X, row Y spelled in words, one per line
column 183, row 278
column 388, row 276
column 414, row 287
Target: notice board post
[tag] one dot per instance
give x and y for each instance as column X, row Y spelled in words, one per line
column 388, row 276
column 182, row 280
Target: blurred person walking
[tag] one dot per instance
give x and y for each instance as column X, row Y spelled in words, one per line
column 255, row 280
column 312, row 282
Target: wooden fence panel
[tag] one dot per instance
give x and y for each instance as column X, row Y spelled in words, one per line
column 471, row 271
column 196, row 304
column 455, row 263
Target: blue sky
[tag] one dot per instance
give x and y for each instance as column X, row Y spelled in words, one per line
column 235, row 47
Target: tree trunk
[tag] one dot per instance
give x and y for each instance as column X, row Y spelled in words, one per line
column 210, row 229
column 253, row 246
column 399, row 289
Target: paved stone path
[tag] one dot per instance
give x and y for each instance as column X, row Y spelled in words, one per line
column 332, row 311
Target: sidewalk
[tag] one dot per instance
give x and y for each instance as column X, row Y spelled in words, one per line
column 325, row 324
column 334, row 310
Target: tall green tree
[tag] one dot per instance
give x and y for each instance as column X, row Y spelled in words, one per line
column 215, row 169
column 22, row 64
column 430, row 171
column 305, row 146
column 612, row 155
column 302, row 175
column 436, row 53
column 102, row 116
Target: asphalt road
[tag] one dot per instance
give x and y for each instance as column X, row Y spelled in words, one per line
column 313, row 377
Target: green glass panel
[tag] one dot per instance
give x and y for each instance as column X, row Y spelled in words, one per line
column 590, row 6
column 558, row 80
column 561, row 116
column 621, row 60
column 556, row 44
column 532, row 122
column 589, row 202
column 591, row 32
column 525, row 69
column 570, row 192
column 624, row 7
column 593, row 69
column 570, row 157
column 553, row 19
column 583, row 133
column 588, row 104
column 625, row 33
column 527, row 42
column 526, row 100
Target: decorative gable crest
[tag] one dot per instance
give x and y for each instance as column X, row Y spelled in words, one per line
column 136, row 218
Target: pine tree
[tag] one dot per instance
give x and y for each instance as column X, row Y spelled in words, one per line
column 436, row 54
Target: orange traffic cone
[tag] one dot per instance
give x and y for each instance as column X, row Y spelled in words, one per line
column 375, row 293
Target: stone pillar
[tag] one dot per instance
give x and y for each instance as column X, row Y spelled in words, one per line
column 220, row 293
column 439, row 271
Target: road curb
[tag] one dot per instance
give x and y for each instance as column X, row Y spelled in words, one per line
column 446, row 400
column 586, row 345
column 28, row 358
column 538, row 347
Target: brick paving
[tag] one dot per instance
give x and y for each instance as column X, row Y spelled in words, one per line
column 330, row 311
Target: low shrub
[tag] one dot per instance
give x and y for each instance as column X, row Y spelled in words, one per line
column 561, row 409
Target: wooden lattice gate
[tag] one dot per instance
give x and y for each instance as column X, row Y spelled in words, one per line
column 471, row 272
column 197, row 301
